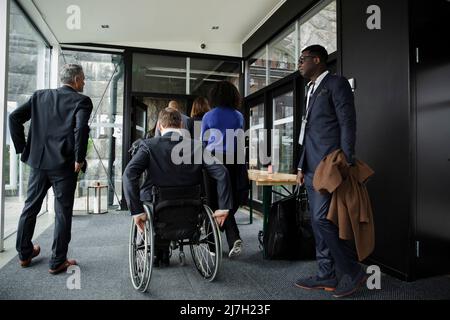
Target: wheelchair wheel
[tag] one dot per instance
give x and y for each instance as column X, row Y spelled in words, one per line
column 207, row 251
column 141, row 253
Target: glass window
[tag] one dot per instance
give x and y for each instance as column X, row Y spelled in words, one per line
column 104, row 85
column 29, row 69
column 282, row 57
column 159, row 74
column 283, row 133
column 316, row 27
column 320, row 29
column 256, row 76
column 204, row 73
column 283, row 138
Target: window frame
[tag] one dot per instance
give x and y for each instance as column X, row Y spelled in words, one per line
column 299, row 19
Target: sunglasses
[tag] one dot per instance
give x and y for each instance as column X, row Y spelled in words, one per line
column 303, row 58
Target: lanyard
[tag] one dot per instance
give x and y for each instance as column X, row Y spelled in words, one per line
column 308, row 102
column 305, row 118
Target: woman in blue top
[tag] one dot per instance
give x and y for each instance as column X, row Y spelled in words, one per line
column 218, row 120
column 225, row 100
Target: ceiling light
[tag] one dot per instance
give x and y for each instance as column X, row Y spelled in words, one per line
column 105, row 26
column 215, row 28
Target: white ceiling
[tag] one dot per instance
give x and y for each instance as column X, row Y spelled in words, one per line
column 180, row 25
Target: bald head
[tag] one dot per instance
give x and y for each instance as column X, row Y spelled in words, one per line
column 174, row 105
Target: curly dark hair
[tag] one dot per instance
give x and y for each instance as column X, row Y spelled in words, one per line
column 224, row 94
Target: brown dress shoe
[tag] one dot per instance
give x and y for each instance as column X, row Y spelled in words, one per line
column 63, row 267
column 26, row 263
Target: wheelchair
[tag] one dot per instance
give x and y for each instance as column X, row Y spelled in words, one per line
column 178, row 215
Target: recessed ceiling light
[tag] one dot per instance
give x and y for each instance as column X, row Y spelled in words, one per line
column 215, row 28
column 105, row 26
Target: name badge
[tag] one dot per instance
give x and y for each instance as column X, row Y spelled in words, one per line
column 302, row 132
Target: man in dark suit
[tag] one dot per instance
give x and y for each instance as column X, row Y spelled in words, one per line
column 55, row 150
column 156, row 157
column 328, row 124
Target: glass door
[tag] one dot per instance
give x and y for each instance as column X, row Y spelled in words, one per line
column 104, row 74
column 146, row 111
column 139, row 118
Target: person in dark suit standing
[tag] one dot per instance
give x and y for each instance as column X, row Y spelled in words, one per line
column 328, row 124
column 155, row 157
column 56, row 152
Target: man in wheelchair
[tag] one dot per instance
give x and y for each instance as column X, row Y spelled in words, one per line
column 163, row 168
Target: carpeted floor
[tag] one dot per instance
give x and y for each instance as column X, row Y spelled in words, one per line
column 100, row 245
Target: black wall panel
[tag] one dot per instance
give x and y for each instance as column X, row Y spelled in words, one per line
column 379, row 62
column 431, row 79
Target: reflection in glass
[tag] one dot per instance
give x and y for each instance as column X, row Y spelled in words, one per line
column 159, row 74
column 257, row 67
column 205, row 72
column 154, row 105
column 29, row 69
column 257, row 140
column 320, row 29
column 282, row 55
column 104, row 85
column 283, row 137
column 141, row 122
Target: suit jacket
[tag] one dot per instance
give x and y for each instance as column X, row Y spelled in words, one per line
column 155, row 157
column 331, row 124
column 59, row 129
column 350, row 208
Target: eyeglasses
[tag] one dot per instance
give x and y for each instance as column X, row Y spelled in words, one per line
column 303, row 58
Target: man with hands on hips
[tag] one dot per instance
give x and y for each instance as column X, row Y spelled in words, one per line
column 55, row 150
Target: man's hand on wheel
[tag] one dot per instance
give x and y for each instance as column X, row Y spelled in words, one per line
column 220, row 216
column 139, row 221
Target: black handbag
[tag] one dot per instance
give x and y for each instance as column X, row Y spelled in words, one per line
column 307, row 248
column 289, row 233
